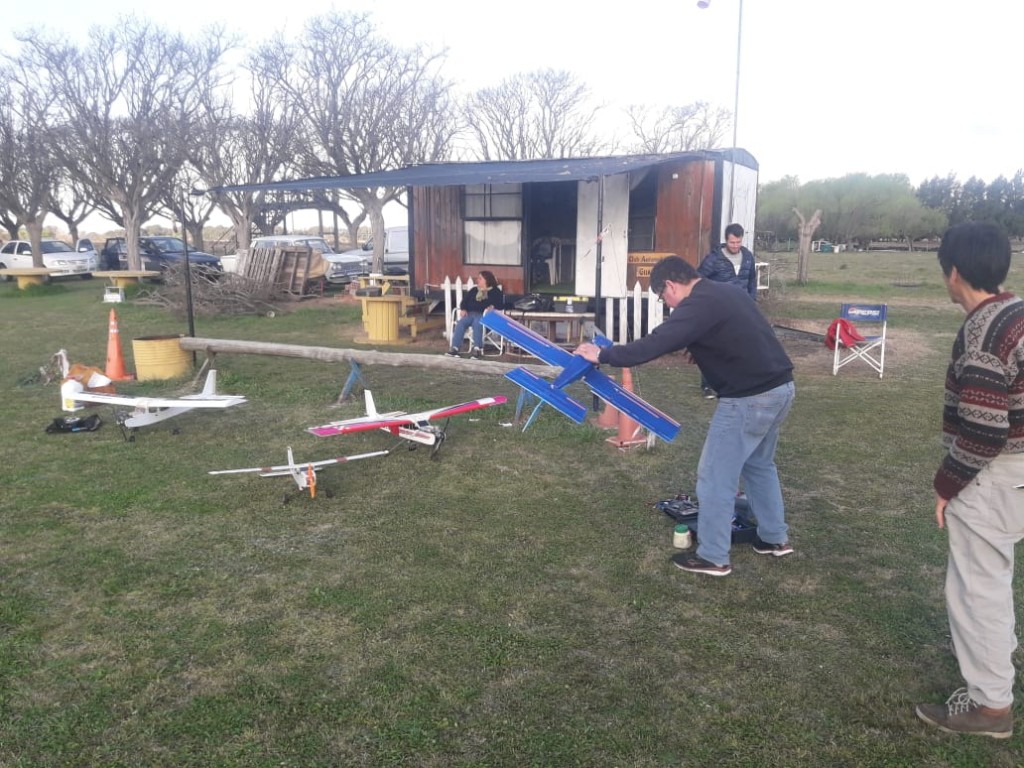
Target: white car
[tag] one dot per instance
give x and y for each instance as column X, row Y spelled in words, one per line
column 345, row 267
column 396, row 251
column 57, row 255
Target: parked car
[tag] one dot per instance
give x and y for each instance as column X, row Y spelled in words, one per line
column 344, row 267
column 57, row 255
column 160, row 252
column 396, row 251
column 114, row 253
column 85, row 247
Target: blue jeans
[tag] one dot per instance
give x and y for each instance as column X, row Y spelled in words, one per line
column 741, row 443
column 459, row 332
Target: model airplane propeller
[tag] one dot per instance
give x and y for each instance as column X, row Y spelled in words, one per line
column 574, row 368
column 147, row 410
column 415, row 427
column 304, row 474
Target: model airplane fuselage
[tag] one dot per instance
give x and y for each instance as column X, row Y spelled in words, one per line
column 147, row 410
column 415, row 427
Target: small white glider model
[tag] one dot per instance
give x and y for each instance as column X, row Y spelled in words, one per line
column 304, row 474
column 415, row 427
column 147, row 410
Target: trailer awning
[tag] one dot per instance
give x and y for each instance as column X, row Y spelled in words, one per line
column 497, row 172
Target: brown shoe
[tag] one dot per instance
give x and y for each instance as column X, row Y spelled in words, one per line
column 962, row 714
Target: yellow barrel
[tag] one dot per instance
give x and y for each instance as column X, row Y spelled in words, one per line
column 160, row 357
column 382, row 318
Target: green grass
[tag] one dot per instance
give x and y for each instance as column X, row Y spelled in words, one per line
column 509, row 603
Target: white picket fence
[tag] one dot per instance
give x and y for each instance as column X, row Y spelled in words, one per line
column 644, row 321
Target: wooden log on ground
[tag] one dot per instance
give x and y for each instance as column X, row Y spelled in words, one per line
column 360, row 356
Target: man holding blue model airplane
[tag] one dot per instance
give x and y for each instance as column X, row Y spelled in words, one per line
column 725, row 333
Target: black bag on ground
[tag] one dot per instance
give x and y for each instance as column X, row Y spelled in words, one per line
column 74, row 424
column 684, row 509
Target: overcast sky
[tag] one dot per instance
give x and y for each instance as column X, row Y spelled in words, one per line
column 827, row 87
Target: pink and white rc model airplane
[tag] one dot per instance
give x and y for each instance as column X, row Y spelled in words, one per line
column 415, row 427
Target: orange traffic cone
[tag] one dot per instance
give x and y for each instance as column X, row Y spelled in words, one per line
column 630, row 434
column 115, row 362
column 609, row 417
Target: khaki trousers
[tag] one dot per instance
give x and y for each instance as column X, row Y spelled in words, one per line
column 985, row 520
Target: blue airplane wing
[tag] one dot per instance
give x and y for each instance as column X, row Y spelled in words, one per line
column 527, row 339
column 639, row 410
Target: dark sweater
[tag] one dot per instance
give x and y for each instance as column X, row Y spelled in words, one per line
column 717, row 266
column 983, row 407
column 726, row 334
column 493, row 298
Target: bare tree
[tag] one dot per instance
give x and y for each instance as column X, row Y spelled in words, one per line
column 129, row 101
column 805, row 232
column 364, row 105
column 72, row 204
column 29, row 171
column 542, row 114
column 678, row 129
column 256, row 148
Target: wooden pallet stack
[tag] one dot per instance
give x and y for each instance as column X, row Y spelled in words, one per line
column 297, row 272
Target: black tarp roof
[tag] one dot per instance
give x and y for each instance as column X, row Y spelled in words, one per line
column 496, row 172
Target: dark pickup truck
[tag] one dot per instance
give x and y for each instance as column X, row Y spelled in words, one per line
column 158, row 253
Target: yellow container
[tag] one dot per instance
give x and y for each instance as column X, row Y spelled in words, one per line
column 160, row 357
column 382, row 318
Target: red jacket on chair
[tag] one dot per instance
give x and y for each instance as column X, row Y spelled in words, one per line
column 845, row 331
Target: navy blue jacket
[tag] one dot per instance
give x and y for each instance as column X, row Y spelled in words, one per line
column 716, row 266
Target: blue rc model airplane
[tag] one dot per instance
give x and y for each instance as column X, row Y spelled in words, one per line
column 574, row 368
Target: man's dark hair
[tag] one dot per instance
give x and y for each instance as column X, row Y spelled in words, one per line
column 673, row 268
column 735, row 230
column 980, row 252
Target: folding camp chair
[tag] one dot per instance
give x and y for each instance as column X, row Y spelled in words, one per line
column 870, row 321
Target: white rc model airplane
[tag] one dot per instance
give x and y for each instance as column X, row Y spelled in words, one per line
column 304, row 474
column 415, row 427
column 147, row 410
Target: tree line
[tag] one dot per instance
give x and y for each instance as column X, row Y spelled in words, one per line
column 858, row 208
column 128, row 123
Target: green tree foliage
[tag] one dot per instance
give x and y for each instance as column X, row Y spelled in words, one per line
column 1001, row 200
column 855, row 209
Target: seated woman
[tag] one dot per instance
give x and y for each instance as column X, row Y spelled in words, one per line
column 483, row 298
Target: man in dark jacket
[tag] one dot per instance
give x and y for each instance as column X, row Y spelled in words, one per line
column 729, row 263
column 726, row 334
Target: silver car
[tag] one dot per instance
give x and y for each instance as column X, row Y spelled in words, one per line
column 58, row 256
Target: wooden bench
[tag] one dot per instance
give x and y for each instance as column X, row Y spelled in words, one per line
column 27, row 276
column 122, row 278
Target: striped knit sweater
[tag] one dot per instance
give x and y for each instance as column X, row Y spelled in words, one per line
column 983, row 406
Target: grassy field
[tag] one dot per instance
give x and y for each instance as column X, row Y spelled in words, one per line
column 510, row 603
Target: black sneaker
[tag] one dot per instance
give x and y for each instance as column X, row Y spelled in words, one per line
column 476, row 353
column 778, row 550
column 962, row 714
column 452, row 352
column 691, row 562
column 710, row 394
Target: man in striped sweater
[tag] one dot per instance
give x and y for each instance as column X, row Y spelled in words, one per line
column 976, row 495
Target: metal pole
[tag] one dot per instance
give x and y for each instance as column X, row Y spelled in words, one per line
column 188, row 279
column 735, row 114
